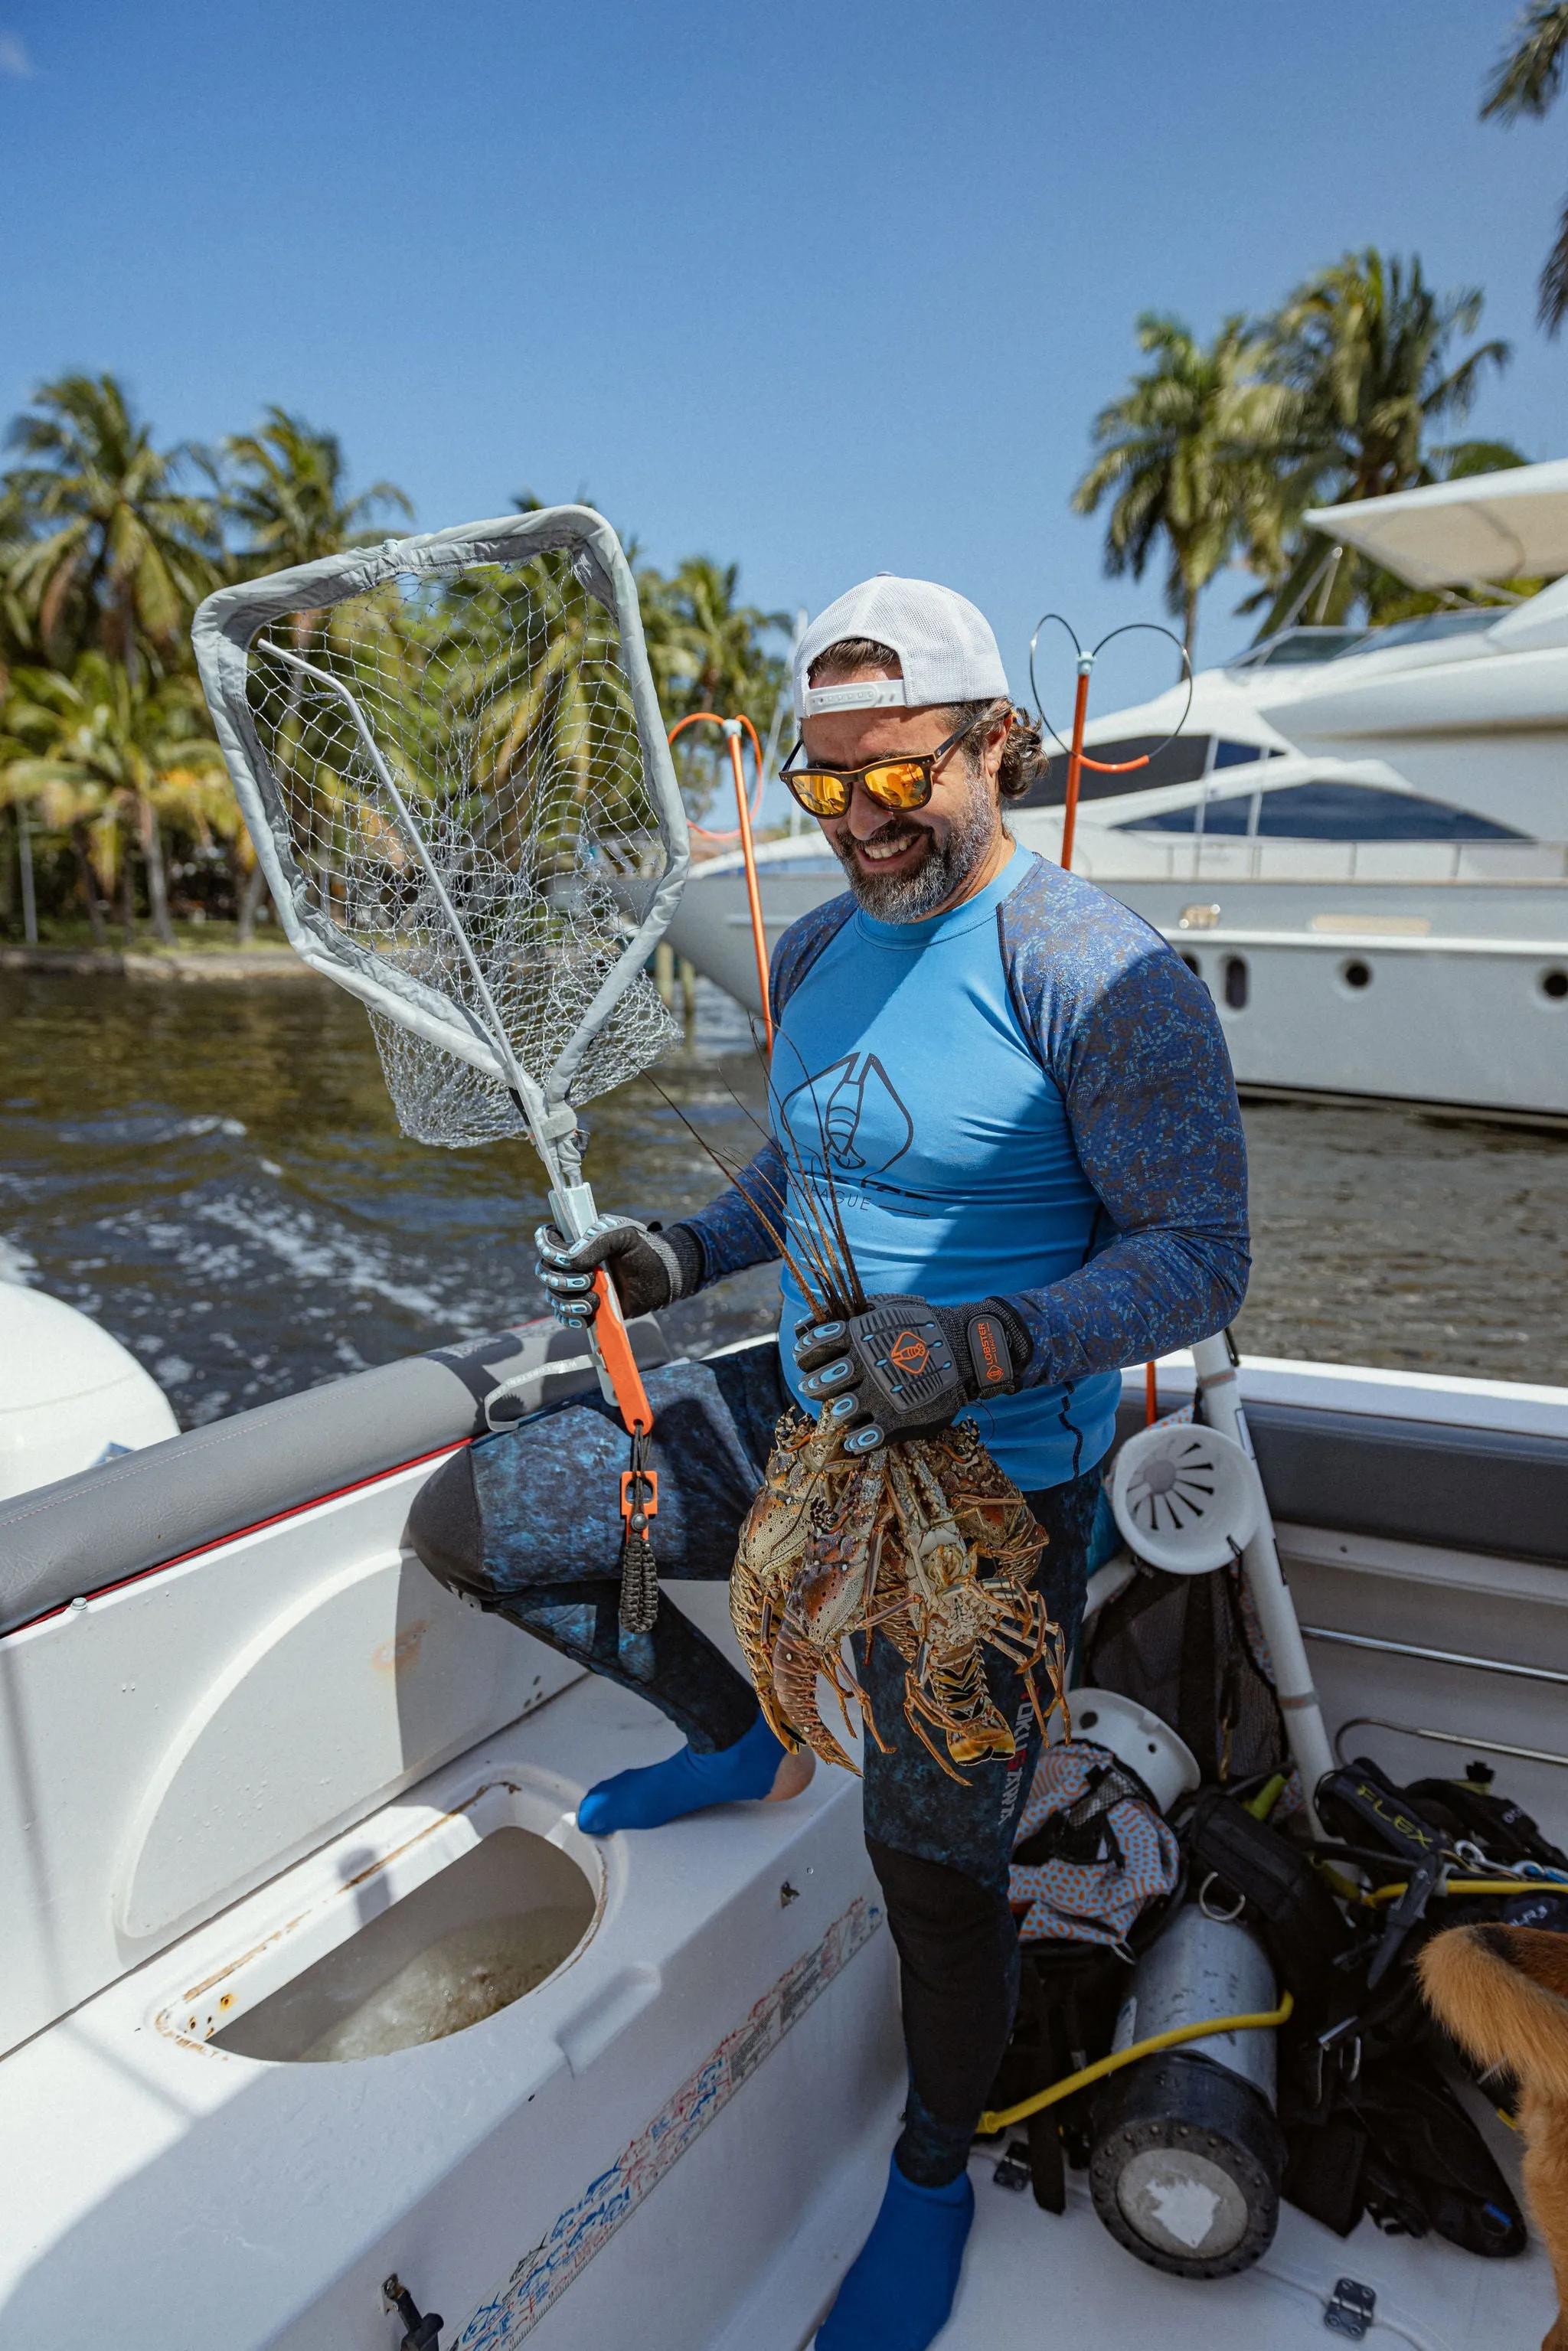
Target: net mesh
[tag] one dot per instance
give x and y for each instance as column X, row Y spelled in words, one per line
column 496, row 695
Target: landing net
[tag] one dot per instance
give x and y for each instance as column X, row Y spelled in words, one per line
column 456, row 765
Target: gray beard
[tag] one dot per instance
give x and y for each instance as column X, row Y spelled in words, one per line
column 910, row 897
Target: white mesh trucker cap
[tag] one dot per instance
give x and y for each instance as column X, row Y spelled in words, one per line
column 945, row 644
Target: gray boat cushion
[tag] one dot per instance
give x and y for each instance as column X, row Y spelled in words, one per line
column 150, row 1507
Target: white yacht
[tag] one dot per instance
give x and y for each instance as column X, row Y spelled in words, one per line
column 1358, row 839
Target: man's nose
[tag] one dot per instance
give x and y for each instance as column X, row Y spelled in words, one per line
column 863, row 816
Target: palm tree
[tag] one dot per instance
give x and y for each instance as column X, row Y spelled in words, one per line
column 707, row 652
column 284, row 485
column 1364, row 353
column 1527, row 81
column 117, row 554
column 1181, row 458
column 114, row 753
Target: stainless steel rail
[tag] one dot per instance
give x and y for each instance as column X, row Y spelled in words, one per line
column 1434, row 1656
column 1443, row 1738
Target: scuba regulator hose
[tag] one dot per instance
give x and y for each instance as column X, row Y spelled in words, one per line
column 1006, row 2116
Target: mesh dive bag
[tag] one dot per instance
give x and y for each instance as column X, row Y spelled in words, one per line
column 1181, row 1645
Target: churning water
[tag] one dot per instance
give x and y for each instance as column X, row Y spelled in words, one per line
column 214, row 1173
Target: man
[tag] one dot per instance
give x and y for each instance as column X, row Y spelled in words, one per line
column 1022, row 1103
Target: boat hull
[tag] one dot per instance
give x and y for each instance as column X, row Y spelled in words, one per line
column 1460, row 1004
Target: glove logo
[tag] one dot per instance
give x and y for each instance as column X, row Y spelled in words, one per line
column 986, row 1344
column 910, row 1353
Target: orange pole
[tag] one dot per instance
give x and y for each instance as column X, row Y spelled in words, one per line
column 1075, row 761
column 754, row 896
column 732, row 728
column 1151, row 1396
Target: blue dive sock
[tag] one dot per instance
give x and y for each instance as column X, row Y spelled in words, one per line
column 686, row 1783
column 900, row 2286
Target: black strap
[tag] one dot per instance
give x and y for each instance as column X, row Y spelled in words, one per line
column 639, row 1576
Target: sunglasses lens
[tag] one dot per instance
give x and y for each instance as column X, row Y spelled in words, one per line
column 822, row 794
column 898, row 784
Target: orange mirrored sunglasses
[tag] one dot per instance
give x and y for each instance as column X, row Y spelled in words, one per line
column 899, row 782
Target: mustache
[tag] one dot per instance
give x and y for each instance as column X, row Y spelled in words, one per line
column 898, row 828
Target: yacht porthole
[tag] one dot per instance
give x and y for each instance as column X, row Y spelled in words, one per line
column 1554, row 984
column 1236, row 982
column 1355, row 974
column 1193, row 966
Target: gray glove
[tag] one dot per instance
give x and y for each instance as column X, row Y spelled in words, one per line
column 649, row 1266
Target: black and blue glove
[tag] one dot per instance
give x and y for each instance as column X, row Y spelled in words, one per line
column 649, row 1266
column 905, row 1367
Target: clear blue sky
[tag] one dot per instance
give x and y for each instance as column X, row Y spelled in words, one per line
column 830, row 288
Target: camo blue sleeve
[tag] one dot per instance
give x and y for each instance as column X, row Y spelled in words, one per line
column 740, row 1227
column 1129, row 1037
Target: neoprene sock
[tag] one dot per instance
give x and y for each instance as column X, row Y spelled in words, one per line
column 686, row 1783
column 899, row 2288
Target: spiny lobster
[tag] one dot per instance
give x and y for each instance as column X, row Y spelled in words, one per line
column 838, row 1544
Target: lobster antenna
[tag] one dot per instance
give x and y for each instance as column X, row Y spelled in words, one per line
column 734, row 1176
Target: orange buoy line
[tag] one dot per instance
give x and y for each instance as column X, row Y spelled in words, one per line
column 745, row 811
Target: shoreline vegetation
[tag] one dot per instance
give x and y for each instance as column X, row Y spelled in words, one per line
column 120, row 840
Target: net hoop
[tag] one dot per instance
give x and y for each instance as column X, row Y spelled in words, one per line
column 223, row 633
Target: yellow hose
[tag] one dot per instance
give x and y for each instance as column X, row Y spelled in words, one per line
column 1472, row 1886
column 1003, row 2118
column 1008, row 2116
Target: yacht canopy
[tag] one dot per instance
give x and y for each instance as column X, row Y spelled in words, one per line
column 1507, row 526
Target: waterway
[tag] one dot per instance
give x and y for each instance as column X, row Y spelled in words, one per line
column 215, row 1173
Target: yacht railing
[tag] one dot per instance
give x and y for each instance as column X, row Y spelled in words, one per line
column 1141, row 857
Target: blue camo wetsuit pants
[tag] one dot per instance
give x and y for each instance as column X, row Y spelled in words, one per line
column 506, row 1520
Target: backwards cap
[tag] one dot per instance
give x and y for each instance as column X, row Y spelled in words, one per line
column 944, row 645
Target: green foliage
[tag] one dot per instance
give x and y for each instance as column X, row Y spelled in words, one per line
column 1216, row 452
column 109, row 550
column 283, row 486
column 709, row 653
column 107, row 545
column 1180, row 458
column 1527, row 79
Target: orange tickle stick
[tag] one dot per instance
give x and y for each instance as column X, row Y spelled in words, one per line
column 753, row 894
column 1075, row 764
column 614, row 1342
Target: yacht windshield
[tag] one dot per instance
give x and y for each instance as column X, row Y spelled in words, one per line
column 1304, row 644
column 1426, row 628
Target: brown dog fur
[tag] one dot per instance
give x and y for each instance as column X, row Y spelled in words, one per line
column 1502, row 1993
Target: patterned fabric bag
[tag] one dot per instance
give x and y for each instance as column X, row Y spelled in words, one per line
column 1092, row 1852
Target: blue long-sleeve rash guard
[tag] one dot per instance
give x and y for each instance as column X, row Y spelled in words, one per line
column 1028, row 1097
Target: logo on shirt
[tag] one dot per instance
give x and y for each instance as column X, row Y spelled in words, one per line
column 848, row 1118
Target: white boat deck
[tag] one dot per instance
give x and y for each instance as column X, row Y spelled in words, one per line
column 1031, row 2279
column 163, row 2192
column 609, row 2131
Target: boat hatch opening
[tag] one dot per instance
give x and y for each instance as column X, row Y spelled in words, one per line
column 482, row 1932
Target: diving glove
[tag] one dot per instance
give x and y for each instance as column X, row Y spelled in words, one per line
column 649, row 1266
column 905, row 1367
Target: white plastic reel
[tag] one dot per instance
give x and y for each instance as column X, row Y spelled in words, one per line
column 1184, row 1496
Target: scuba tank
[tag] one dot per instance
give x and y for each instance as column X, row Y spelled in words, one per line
column 1186, row 2154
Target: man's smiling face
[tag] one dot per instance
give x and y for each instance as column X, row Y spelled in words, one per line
column 904, row 865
